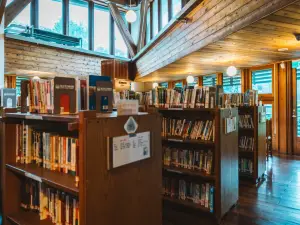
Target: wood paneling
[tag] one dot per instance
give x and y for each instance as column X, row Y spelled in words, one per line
column 251, row 37
column 23, row 56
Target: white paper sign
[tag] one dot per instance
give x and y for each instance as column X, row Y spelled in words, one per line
column 128, row 149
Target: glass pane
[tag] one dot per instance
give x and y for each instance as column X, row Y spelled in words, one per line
column 164, row 13
column 262, row 81
column 79, row 25
column 232, row 84
column 8, row 2
column 101, row 32
column 210, row 81
column 164, row 84
column 176, row 7
column 155, row 18
column 298, row 102
column 120, row 46
column 50, row 15
column 148, row 32
column 268, row 111
column 24, row 17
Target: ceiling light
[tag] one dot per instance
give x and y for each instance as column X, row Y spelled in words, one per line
column 231, row 71
column 35, row 78
column 130, row 15
column 282, row 65
column 283, row 49
column 190, row 79
column 155, row 85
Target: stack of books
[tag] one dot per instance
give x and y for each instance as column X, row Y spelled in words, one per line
column 189, row 159
column 57, row 206
column 246, row 166
column 187, row 129
column 246, row 121
column 198, row 193
column 249, row 98
column 246, row 143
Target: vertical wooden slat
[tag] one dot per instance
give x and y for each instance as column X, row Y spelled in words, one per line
column 246, row 82
column 220, row 78
column 200, row 81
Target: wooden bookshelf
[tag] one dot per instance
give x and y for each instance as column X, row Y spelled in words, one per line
column 258, row 155
column 224, row 174
column 106, row 196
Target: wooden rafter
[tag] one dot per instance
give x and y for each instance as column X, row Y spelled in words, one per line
column 14, row 9
column 123, row 29
column 2, row 9
column 143, row 24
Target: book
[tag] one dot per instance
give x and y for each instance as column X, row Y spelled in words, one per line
column 104, row 96
column 8, row 98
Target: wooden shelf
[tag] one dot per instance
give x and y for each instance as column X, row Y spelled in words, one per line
column 187, row 204
column 246, row 153
column 248, row 175
column 45, row 117
column 189, row 109
column 58, row 180
column 246, row 129
column 187, row 141
column 27, row 218
column 188, row 172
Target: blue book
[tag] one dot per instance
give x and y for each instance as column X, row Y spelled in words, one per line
column 91, row 84
column 211, row 199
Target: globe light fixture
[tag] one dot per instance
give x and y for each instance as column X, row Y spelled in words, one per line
column 35, row 78
column 155, row 85
column 130, row 15
column 190, row 79
column 231, row 71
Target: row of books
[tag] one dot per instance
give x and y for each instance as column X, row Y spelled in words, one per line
column 187, row 129
column 197, row 193
column 246, row 121
column 246, row 165
column 188, row 97
column 189, row 159
column 59, row 207
column 249, row 98
column 246, row 143
column 47, row 150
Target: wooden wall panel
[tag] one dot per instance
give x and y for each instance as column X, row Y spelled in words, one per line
column 246, row 81
column 21, row 55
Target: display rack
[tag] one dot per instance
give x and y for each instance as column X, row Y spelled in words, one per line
column 257, row 153
column 107, row 195
column 224, row 175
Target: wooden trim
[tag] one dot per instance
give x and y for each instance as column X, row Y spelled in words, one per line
column 289, row 108
column 66, row 16
column 266, row 97
column 12, row 10
column 200, row 81
column 91, row 25
column 123, row 29
column 219, row 78
column 143, row 24
column 246, row 82
column 2, row 9
column 295, row 150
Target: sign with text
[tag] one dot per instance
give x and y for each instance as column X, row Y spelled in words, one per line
column 128, row 149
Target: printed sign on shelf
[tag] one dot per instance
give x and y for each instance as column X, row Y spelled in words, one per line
column 131, row 125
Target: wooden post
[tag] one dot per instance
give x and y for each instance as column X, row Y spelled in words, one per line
column 200, row 81
column 246, row 82
column 2, row 54
column 219, row 78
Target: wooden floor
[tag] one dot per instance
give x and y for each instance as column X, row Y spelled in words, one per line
column 276, row 201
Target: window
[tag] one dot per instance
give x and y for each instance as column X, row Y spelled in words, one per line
column 148, row 31
column 268, row 111
column 101, row 29
column 232, row 84
column 120, row 46
column 155, row 18
column 164, row 84
column 8, row 2
column 176, row 7
column 262, row 81
column 78, row 24
column 50, row 15
column 210, row 81
column 24, row 17
column 194, row 83
column 164, row 13
column 178, row 85
column 18, row 84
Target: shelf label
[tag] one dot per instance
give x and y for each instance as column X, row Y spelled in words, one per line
column 128, row 149
column 34, row 117
column 33, row 177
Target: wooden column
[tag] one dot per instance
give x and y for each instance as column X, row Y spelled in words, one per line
column 200, row 81
column 171, row 84
column 2, row 54
column 283, row 108
column 219, row 78
column 246, row 79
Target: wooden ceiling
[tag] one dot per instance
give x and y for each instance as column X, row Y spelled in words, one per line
column 254, row 45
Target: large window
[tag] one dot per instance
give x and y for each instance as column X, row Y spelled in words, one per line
column 176, row 7
column 24, row 17
column 210, row 81
column 262, row 81
column 50, row 15
column 155, row 18
column 268, row 111
column 232, row 84
column 120, row 46
column 101, row 29
column 164, row 13
column 78, row 24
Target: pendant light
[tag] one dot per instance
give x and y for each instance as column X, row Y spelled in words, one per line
column 231, row 71
column 190, row 79
column 130, row 15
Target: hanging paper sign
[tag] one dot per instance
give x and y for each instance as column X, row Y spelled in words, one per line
column 230, row 124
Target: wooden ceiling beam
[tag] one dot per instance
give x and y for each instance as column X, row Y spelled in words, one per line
column 2, row 9
column 123, row 29
column 143, row 24
column 13, row 9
